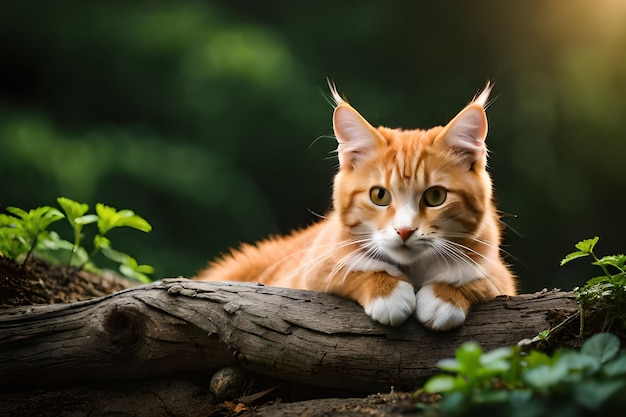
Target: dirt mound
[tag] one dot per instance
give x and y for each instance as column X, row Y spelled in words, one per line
column 40, row 282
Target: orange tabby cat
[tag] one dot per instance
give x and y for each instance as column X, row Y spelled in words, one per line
column 411, row 209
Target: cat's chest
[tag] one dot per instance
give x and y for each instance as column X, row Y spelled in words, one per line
column 455, row 272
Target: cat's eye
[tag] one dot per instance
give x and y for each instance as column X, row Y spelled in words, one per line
column 380, row 196
column 435, row 196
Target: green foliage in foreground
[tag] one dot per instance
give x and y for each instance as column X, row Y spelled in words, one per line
column 514, row 382
column 508, row 381
column 24, row 233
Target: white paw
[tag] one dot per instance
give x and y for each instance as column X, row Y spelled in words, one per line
column 394, row 309
column 435, row 313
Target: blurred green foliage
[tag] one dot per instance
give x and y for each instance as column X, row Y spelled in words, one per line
column 204, row 116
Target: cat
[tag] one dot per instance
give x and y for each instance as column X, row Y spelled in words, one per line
column 412, row 209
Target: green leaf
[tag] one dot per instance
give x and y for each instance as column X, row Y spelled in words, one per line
column 576, row 365
column 587, row 245
column 114, row 255
column 73, row 209
column 490, row 397
column 34, row 221
column 441, row 383
column 9, row 221
column 134, row 274
column 468, row 356
column 49, row 216
column 522, row 405
column 18, row 212
column 100, row 242
column 145, row 269
column 496, row 362
column 86, row 219
column 536, row 358
column 134, row 221
column 616, row 367
column 56, row 250
column 616, row 261
column 574, row 255
column 109, row 218
column 592, row 394
column 496, row 355
column 449, row 364
column 544, row 377
column 454, row 403
column 603, row 346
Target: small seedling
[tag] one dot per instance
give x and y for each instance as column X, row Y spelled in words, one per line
column 25, row 233
column 20, row 233
column 75, row 215
column 606, row 292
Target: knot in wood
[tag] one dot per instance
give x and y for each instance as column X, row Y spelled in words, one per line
column 178, row 289
column 125, row 327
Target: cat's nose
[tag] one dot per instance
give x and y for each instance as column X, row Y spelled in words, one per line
column 405, row 233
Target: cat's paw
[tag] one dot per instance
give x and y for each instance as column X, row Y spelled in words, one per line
column 435, row 313
column 394, row 309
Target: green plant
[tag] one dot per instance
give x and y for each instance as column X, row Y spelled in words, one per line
column 20, row 233
column 509, row 381
column 24, row 233
column 606, row 292
column 75, row 215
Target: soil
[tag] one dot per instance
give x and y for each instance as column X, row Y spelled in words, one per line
column 40, row 282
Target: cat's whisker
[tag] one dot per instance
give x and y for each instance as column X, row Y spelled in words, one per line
column 369, row 250
column 447, row 249
column 470, row 237
column 319, row 216
column 463, row 248
column 358, row 251
column 331, row 137
column 321, row 258
column 477, row 240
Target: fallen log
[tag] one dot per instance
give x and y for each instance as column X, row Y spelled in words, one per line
column 177, row 326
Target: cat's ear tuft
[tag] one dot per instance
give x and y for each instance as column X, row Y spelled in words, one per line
column 466, row 133
column 358, row 140
column 483, row 97
column 335, row 94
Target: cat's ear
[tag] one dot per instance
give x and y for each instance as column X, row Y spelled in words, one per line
column 357, row 139
column 466, row 133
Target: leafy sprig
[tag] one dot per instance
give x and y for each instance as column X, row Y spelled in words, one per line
column 20, row 233
column 585, row 248
column 606, row 292
column 24, row 233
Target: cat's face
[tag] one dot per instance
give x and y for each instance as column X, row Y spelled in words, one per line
column 404, row 194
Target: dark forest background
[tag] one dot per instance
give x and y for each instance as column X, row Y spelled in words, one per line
column 210, row 118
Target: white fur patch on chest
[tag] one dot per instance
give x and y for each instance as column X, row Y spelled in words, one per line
column 373, row 265
column 450, row 271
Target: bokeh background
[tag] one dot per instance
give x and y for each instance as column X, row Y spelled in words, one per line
column 210, row 118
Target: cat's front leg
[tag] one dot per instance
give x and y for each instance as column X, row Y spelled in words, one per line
column 385, row 298
column 441, row 306
column 392, row 308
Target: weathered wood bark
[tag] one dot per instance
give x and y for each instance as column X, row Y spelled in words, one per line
column 177, row 325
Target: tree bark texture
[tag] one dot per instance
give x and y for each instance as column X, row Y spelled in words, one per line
column 178, row 326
